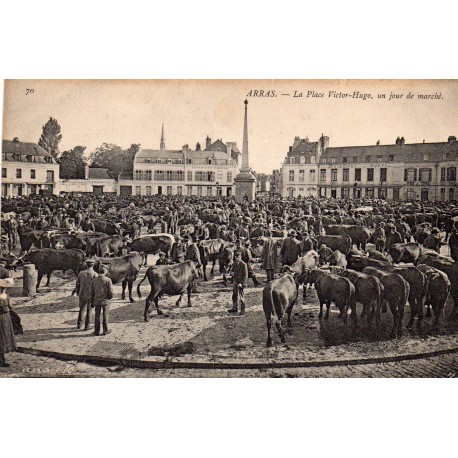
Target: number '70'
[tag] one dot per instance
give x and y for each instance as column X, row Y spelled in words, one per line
column 29, row 91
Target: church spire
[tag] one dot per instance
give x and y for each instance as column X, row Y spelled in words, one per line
column 162, row 147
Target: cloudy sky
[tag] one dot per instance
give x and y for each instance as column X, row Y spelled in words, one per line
column 92, row 112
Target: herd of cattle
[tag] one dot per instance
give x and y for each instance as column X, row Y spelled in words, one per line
column 388, row 274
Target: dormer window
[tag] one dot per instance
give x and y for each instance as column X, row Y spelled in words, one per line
column 302, row 160
column 344, row 159
column 426, row 157
column 444, row 156
column 292, row 160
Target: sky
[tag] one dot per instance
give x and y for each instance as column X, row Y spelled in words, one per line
column 92, row 112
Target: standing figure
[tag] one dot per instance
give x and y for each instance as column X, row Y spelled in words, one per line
column 101, row 294
column 7, row 340
column 239, row 283
column 83, row 291
column 269, row 257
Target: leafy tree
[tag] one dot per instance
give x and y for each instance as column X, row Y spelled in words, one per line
column 51, row 137
column 72, row 163
column 112, row 157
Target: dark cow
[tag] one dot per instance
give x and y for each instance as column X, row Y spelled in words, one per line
column 405, row 252
column 278, row 298
column 226, row 259
column 438, row 290
column 107, row 227
column 418, row 289
column 47, row 260
column 368, row 292
column 331, row 287
column 343, row 243
column 359, row 234
column 31, row 238
column 374, row 254
column 109, row 245
column 152, row 244
column 357, row 262
column 172, row 280
column 123, row 269
column 451, row 270
column 395, row 293
column 209, row 252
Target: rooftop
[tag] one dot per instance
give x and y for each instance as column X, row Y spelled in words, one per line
column 15, row 150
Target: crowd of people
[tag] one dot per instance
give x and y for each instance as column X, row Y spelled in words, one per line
column 276, row 231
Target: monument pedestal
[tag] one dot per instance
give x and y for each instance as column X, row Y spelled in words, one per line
column 245, row 186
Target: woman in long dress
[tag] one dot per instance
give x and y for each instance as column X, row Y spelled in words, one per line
column 7, row 340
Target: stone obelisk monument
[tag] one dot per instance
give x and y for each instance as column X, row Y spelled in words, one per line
column 245, row 181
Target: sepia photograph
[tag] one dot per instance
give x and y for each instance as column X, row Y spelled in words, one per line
column 229, row 228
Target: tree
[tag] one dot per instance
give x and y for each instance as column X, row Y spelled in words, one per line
column 51, row 137
column 112, row 157
column 72, row 163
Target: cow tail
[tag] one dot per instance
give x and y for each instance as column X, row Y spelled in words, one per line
column 141, row 281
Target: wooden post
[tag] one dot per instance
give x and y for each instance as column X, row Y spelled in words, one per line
column 29, row 282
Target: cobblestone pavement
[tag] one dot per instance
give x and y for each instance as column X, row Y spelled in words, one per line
column 24, row 365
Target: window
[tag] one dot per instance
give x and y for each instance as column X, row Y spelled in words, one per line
column 451, row 194
column 368, row 158
column 169, row 190
column 379, row 158
column 369, row 192
column 382, row 193
column 443, row 174
column 391, row 158
column 426, row 157
column 168, row 175
column 209, row 191
column 179, row 190
column 50, row 176
column 199, row 191
column 312, row 176
column 312, row 159
column 229, row 177
column 29, row 157
column 301, row 176
column 143, row 175
column 324, row 160
column 148, row 190
column 443, row 194
column 18, row 173
column 322, row 175
column 32, row 174
column 138, row 190
column 344, row 159
column 333, row 160
column 333, row 174
column 292, row 160
column 3, row 173
column 302, row 159
column 425, row 175
column 345, row 193
column 346, row 175
column 357, row 174
column 410, row 175
column 451, row 173
column 204, row 176
column 291, row 175
column 370, row 174
column 383, row 174
column 444, row 156
column 355, row 158
column 189, row 191
column 188, row 161
column 189, row 175
column 410, row 194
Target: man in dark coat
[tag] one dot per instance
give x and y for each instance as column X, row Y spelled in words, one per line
column 453, row 243
column 239, row 282
column 269, row 257
column 290, row 249
column 101, row 294
column 178, row 251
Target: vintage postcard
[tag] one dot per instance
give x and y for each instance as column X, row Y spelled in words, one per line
column 229, row 228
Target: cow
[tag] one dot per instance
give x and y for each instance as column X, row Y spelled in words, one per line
column 172, row 280
column 451, row 270
column 152, row 244
column 47, row 260
column 302, row 267
column 437, row 291
column 226, row 259
column 338, row 259
column 107, row 227
column 209, row 252
column 395, row 293
column 122, row 269
column 405, row 252
column 109, row 245
column 375, row 254
column 331, row 287
column 360, row 235
column 368, row 292
column 278, row 298
column 343, row 243
column 31, row 238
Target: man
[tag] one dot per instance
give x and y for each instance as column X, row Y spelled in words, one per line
column 101, row 294
column 453, row 243
column 83, row 291
column 290, row 249
column 433, row 241
column 269, row 257
column 247, row 258
column 11, row 230
column 239, row 282
column 87, row 225
column 306, row 244
column 162, row 261
column 178, row 251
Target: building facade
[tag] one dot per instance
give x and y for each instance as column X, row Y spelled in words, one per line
column 27, row 169
column 417, row 171
column 206, row 173
column 97, row 180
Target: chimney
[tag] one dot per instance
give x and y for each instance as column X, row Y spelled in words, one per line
column 451, row 139
column 86, row 172
column 185, row 148
column 208, row 142
column 290, row 149
column 197, row 146
column 398, row 140
column 378, row 142
column 402, row 141
column 15, row 140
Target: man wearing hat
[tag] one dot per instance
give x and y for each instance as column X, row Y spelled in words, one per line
column 433, row 241
column 247, row 258
column 290, row 249
column 83, row 291
column 239, row 283
column 178, row 251
column 101, row 294
column 269, row 256
column 7, row 340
